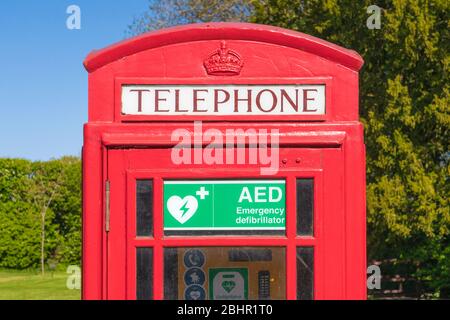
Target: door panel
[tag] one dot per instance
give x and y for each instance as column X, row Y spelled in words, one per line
column 139, row 174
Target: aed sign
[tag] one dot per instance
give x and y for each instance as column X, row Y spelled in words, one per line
column 225, row 205
column 223, row 100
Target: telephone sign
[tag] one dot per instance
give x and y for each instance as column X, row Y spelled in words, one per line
column 230, row 100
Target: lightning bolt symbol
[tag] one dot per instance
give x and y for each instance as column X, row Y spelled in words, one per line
column 184, row 208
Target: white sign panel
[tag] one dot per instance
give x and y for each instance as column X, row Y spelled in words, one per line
column 223, row 100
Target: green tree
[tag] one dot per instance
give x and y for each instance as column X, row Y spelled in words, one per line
column 47, row 180
column 19, row 238
column 67, row 207
column 57, row 183
column 40, row 212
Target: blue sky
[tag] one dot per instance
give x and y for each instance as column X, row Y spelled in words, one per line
column 43, row 84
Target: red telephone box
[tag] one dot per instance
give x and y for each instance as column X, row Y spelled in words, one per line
column 223, row 161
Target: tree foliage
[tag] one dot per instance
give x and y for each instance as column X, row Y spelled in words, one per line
column 26, row 188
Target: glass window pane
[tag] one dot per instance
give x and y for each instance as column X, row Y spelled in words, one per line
column 305, row 273
column 144, row 273
column 305, row 207
column 144, row 207
column 225, row 273
column 170, row 274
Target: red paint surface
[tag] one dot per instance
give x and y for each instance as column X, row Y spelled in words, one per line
column 330, row 147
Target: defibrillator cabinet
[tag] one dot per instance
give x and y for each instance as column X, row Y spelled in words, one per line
column 224, row 161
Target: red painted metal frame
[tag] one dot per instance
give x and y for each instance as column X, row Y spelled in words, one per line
column 271, row 56
column 327, row 81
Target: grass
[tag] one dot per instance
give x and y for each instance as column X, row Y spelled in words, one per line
column 29, row 285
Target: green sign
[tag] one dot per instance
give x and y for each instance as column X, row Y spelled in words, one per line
column 225, row 205
column 228, row 284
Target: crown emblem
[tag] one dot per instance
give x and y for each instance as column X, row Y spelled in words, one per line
column 223, row 62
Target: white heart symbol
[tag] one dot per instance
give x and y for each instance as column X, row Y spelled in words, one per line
column 182, row 209
column 195, row 295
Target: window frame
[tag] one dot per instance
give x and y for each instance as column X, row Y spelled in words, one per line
column 158, row 241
